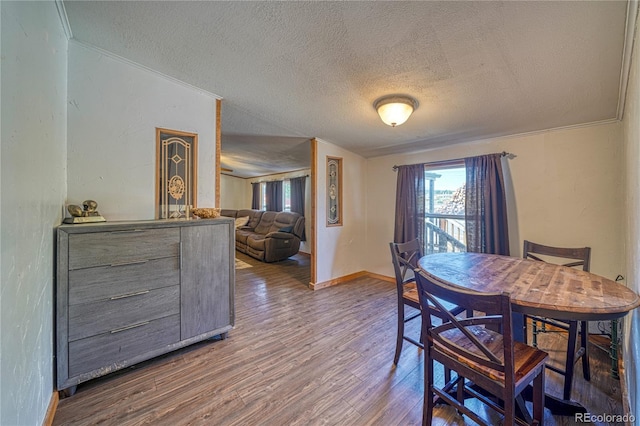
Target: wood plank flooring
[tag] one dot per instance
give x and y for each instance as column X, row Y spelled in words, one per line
column 297, row 357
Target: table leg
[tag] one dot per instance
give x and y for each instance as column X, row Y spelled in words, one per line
column 556, row 405
column 614, row 349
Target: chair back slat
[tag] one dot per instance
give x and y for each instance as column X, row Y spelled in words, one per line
column 496, row 316
column 404, row 257
column 576, row 256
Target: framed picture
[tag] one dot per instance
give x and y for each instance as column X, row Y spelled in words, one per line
column 334, row 191
column 176, row 172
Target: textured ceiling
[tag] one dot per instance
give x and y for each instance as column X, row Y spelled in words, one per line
column 289, row 71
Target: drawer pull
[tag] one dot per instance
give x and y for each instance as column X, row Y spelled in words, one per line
column 128, row 231
column 130, row 262
column 122, row 296
column 129, row 327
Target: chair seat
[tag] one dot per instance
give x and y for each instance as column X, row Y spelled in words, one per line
column 410, row 294
column 526, row 357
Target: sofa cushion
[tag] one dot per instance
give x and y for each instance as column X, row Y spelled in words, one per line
column 284, row 220
column 266, row 223
column 254, row 216
column 242, row 235
column 256, row 242
column 242, row 221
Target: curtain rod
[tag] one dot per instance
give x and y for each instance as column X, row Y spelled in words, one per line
column 445, row 162
column 276, row 180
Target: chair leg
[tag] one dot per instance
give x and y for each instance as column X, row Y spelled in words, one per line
column 510, row 411
column 538, row 399
column 460, row 391
column 571, row 359
column 584, row 339
column 399, row 337
column 428, row 403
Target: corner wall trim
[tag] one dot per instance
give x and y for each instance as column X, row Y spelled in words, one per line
column 625, row 68
column 64, row 19
column 350, row 277
column 51, row 410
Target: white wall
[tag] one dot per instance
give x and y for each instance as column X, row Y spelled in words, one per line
column 114, row 109
column 33, row 182
column 341, row 249
column 233, row 193
column 631, row 209
column 563, row 188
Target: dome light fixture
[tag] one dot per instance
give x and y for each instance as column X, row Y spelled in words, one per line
column 395, row 109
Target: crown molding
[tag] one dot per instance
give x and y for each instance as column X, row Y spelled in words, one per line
column 143, row 68
column 64, row 19
column 629, row 35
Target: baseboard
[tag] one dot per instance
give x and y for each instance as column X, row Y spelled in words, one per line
column 381, row 277
column 347, row 278
column 51, row 410
column 624, row 390
column 336, row 281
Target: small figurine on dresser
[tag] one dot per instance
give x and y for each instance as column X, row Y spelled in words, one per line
column 88, row 213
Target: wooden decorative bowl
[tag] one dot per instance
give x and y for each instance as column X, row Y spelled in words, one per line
column 206, row 212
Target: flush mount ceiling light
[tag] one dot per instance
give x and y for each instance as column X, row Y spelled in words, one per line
column 395, row 109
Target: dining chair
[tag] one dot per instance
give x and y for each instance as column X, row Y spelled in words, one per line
column 571, row 257
column 404, row 257
column 481, row 350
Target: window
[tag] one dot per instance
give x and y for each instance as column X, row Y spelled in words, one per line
column 286, row 195
column 263, row 196
column 444, row 209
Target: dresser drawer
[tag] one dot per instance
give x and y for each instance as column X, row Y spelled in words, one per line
column 89, row 319
column 103, row 282
column 122, row 247
column 108, row 349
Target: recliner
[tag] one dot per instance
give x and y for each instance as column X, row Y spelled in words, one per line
column 268, row 236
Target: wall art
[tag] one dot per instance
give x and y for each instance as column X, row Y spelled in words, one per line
column 334, row 191
column 176, row 173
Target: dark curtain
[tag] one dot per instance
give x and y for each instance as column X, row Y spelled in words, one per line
column 297, row 194
column 255, row 199
column 485, row 206
column 410, row 204
column 274, row 196
column 297, row 197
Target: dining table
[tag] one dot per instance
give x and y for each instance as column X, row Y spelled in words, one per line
column 536, row 288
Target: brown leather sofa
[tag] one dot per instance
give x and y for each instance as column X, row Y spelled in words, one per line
column 267, row 236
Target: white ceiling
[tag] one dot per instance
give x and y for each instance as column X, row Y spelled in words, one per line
column 289, row 71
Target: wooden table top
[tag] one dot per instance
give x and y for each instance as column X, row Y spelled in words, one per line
column 536, row 288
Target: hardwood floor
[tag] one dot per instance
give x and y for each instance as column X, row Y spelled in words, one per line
column 296, row 357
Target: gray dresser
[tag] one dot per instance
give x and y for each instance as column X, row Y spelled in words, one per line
column 129, row 291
